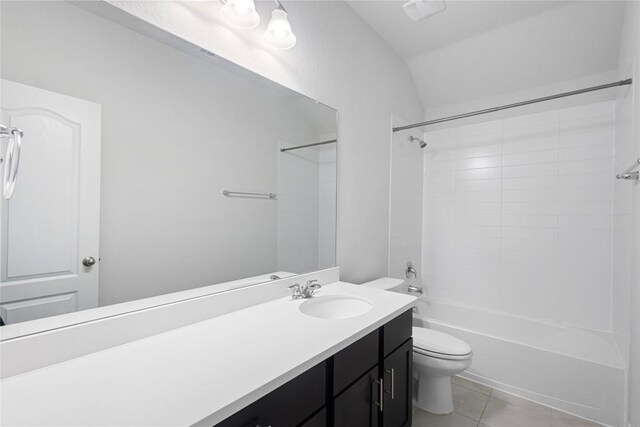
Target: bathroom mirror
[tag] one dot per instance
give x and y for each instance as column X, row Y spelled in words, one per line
column 150, row 168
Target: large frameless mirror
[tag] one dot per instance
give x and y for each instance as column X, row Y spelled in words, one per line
column 150, row 168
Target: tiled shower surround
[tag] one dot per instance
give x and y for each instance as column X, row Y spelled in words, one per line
column 517, row 214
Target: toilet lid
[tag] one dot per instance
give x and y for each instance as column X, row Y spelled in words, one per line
column 439, row 343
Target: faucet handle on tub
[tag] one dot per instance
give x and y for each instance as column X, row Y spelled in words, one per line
column 411, row 271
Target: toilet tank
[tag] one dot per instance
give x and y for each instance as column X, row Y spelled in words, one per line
column 384, row 283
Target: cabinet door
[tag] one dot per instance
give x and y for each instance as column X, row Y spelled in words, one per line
column 318, row 420
column 357, row 405
column 398, row 386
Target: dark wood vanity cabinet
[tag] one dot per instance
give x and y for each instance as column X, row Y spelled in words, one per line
column 368, row 384
column 398, row 375
column 289, row 405
column 358, row 404
column 317, row 420
column 373, row 378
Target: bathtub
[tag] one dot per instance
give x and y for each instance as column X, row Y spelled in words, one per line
column 568, row 368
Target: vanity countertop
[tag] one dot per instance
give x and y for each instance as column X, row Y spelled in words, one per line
column 194, row 375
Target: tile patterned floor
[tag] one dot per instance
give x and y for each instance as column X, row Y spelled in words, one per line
column 477, row 405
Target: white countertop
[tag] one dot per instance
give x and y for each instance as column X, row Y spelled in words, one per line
column 194, row 375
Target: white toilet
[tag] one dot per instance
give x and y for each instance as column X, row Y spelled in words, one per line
column 436, row 358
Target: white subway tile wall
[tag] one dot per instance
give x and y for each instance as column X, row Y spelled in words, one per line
column 624, row 219
column 517, row 214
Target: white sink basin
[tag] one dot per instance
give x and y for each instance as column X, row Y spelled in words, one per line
column 335, row 306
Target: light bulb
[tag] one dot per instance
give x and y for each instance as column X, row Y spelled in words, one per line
column 280, row 31
column 241, row 7
column 279, row 34
column 241, row 13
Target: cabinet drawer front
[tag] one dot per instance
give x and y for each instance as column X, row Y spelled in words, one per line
column 354, row 361
column 288, row 405
column 397, row 331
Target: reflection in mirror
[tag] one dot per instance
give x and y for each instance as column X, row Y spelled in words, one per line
column 130, row 138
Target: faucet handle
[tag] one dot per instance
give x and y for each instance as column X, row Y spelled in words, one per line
column 313, row 286
column 296, row 292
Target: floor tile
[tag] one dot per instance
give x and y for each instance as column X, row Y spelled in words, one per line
column 468, row 402
column 471, row 385
column 425, row 419
column 500, row 413
column 527, row 406
column 562, row 419
column 495, row 408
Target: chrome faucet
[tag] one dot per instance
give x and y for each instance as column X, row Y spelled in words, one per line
column 306, row 291
column 411, row 272
column 416, row 289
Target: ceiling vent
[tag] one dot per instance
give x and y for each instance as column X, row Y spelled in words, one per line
column 420, row 9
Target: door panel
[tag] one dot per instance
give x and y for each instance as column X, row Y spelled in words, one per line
column 42, row 222
column 34, row 308
column 52, row 221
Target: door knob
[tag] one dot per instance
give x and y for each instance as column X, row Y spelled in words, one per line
column 88, row 261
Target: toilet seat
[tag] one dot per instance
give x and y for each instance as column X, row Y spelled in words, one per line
column 436, row 344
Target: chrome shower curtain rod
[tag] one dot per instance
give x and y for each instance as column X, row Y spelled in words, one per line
column 331, row 141
column 517, row 104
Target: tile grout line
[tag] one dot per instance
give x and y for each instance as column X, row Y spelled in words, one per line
column 485, row 408
column 485, row 405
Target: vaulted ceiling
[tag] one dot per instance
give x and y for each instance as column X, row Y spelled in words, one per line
column 477, row 49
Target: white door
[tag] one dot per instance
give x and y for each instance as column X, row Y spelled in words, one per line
column 52, row 221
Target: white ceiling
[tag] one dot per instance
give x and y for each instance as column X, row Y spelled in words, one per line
column 460, row 20
column 480, row 49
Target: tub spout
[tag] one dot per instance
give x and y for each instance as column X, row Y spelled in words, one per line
column 416, row 289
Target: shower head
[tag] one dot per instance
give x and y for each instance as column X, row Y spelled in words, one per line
column 416, row 139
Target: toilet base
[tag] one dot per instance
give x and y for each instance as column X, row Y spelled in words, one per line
column 434, row 394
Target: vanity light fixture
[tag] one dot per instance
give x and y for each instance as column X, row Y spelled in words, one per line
column 279, row 34
column 241, row 13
